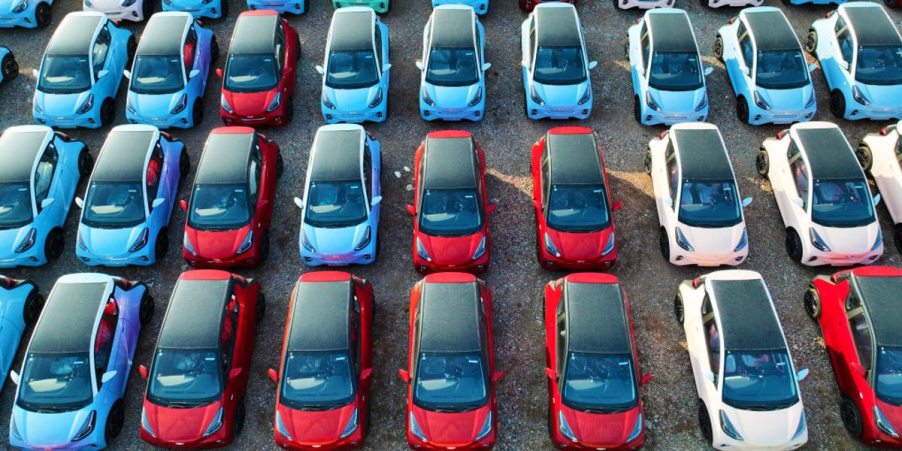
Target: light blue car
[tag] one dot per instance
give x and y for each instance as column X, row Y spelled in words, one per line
column 281, row 6
column 860, row 52
column 480, row 6
column 170, row 72
column 767, row 69
column 20, row 306
column 356, row 72
column 343, row 191
column 81, row 72
column 555, row 64
column 9, row 68
column 211, row 9
column 129, row 199
column 452, row 80
column 666, row 68
column 25, row 13
column 71, row 390
column 38, row 178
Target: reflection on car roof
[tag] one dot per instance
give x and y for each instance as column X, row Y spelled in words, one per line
column 163, row 35
column 18, row 150
column 450, row 317
column 320, row 317
column 352, row 31
column 225, row 159
column 597, row 318
column 829, row 154
column 336, row 155
column 450, row 163
column 702, row 154
column 871, row 26
column 557, row 27
column 74, row 35
column 574, row 159
column 254, row 34
column 880, row 299
column 671, row 31
column 452, row 28
column 771, row 31
column 747, row 320
column 67, row 321
column 123, row 156
column 194, row 317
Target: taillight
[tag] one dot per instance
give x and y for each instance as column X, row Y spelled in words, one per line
column 697, row 281
column 780, row 134
column 663, row 134
column 732, row 20
column 166, row 135
column 885, row 130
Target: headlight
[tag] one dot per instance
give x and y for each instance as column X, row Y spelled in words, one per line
column 811, row 100
column 140, row 242
column 743, row 241
column 486, row 427
column 637, row 429
column 22, row 6
column 352, row 425
column 703, row 103
column 650, row 101
column 878, row 241
column 215, row 424
column 587, row 96
column 480, row 250
column 280, row 425
column 760, row 101
column 803, row 426
column 365, row 241
column 727, row 426
column 306, row 243
column 859, row 96
column 883, row 424
column 27, row 242
column 535, row 95
column 145, row 423
column 476, row 98
column 14, row 430
column 421, row 251
column 275, row 102
column 609, row 247
column 131, row 109
column 37, row 108
column 81, row 242
column 127, row 3
column 377, row 99
column 179, row 107
column 428, row 100
column 682, row 241
column 225, row 104
column 415, row 428
column 327, row 102
column 87, row 427
column 247, row 243
column 550, row 247
column 564, row 427
column 85, row 107
column 817, row 241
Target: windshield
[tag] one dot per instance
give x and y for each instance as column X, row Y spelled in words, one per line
column 114, row 205
column 450, row 212
column 578, row 208
column 65, row 74
column 842, row 203
column 251, row 73
column 335, row 204
column 185, row 377
column 55, row 382
column 352, row 69
column 889, row 375
column 559, row 66
column 879, row 65
column 599, row 382
column 675, row 71
column 450, row 382
column 709, row 204
column 317, row 380
column 452, row 67
column 15, row 205
column 219, row 206
column 759, row 380
column 782, row 69
column 158, row 74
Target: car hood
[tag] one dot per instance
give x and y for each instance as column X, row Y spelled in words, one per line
column 764, row 428
column 335, row 241
column 10, row 240
column 451, row 96
column 109, row 242
column 216, row 244
column 888, row 96
column 154, row 104
column 50, row 429
column 599, row 430
column 719, row 240
column 60, row 104
column 855, row 240
column 180, row 425
column 316, row 427
column 678, row 101
column 249, row 103
column 451, row 250
column 787, row 99
column 451, row 429
column 561, row 95
column 352, row 99
column 580, row 246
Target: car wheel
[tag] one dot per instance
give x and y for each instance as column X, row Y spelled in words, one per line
column 162, row 245
column 678, row 312
column 289, row 110
column 238, row 418
column 184, row 163
column 897, row 236
column 34, row 304
column 132, row 45
column 42, row 15
column 214, row 51
column 718, row 47
column 260, row 307
column 280, row 163
column 114, row 421
column 107, row 112
column 837, row 104
column 793, row 245
column 10, row 67
column 637, row 110
column 704, row 422
column 53, row 245
column 811, row 42
column 812, row 303
column 648, row 162
column 197, row 113
column 762, row 163
column 865, row 158
column 742, row 110
column 664, row 244
column 85, row 162
column 851, row 417
column 145, row 312
column 263, row 253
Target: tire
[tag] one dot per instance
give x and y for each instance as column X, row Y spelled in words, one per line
column 811, row 42
column 85, row 162
column 812, row 303
column 42, row 15
column 214, row 51
column 145, row 311
column 34, row 304
column 704, row 422
column 718, row 47
column 762, row 163
column 897, row 236
column 107, row 112
column 837, row 104
column 865, row 157
column 54, row 244
column 647, row 162
column 238, row 419
column 794, row 245
column 260, row 307
column 197, row 113
column 742, row 110
column 263, row 253
column 114, row 421
column 161, row 247
column 184, row 163
column 280, row 164
column 678, row 311
column 664, row 244
column 289, row 110
column 637, row 110
column 10, row 67
column 851, row 417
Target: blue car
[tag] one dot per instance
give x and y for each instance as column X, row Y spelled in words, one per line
column 81, row 72
column 480, row 6
column 452, row 81
column 170, row 72
column 281, row 6
column 767, row 69
column 25, row 13
column 74, row 374
column 340, row 209
column 355, row 79
column 211, row 9
column 860, row 52
column 666, row 68
column 9, row 68
column 128, row 203
column 20, row 306
column 38, row 178
column 555, row 66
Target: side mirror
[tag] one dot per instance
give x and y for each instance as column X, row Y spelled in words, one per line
column 411, row 210
column 102, row 73
column 812, row 67
column 35, row 73
column 14, row 376
column 46, row 202
column 617, row 205
column 876, row 199
column 491, row 209
column 299, row 202
column 593, row 64
column 550, row 373
column 219, row 72
column 273, row 375
column 802, row 374
column 709, row 71
column 386, row 68
column 183, row 204
column 108, row 376
column 486, row 66
column 366, row 374
column 142, row 370
column 157, row 202
column 127, row 74
column 497, row 376
column 193, row 73
column 668, row 202
column 404, row 375
column 799, row 202
column 645, row 378
column 420, row 65
column 746, row 202
column 235, row 372
column 320, row 70
column 80, row 202
column 376, row 201
column 709, row 376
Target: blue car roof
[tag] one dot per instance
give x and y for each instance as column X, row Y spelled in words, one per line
column 702, row 154
column 574, row 159
column 747, row 320
column 352, row 31
column 122, row 156
column 450, row 163
column 880, row 298
column 829, row 154
column 74, row 35
column 225, row 158
column 671, row 31
column 194, row 317
column 871, row 25
column 452, row 28
column 450, row 317
column 596, row 317
column 19, row 149
column 320, row 319
column 771, row 30
column 254, row 34
column 557, row 27
column 163, row 35
column 67, row 321
column 336, row 155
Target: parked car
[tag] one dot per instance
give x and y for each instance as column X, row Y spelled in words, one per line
column 129, row 198
column 380, row 6
column 356, row 72
column 860, row 51
column 768, row 71
column 529, row 5
column 21, row 303
column 879, row 155
column 666, row 68
column 71, row 389
column 572, row 200
column 9, row 68
column 198, row 378
column 452, row 69
column 170, row 71
column 858, row 313
column 280, row 6
column 81, row 71
column 40, row 173
column 823, row 196
column 450, row 376
column 592, row 365
column 325, row 370
column 479, row 6
column 450, row 206
column 199, row 9
column 699, row 208
column 118, row 10
column 748, row 388
column 25, row 13
column 342, row 195
column 260, row 72
column 555, row 65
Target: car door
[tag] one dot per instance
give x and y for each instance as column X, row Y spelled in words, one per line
column 46, row 185
column 645, row 52
column 195, row 59
column 793, row 189
column 288, row 55
column 112, row 355
column 666, row 186
column 560, row 348
column 156, row 187
column 530, row 50
column 230, row 351
column 705, row 349
column 382, row 50
column 370, row 173
column 860, row 356
column 102, row 57
column 839, row 74
column 741, row 68
column 255, row 190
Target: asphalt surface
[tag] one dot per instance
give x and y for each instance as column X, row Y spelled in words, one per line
column 514, row 276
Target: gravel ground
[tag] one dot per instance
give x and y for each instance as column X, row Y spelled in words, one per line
column 515, row 278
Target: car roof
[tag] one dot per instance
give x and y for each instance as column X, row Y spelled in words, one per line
column 452, row 27
column 336, row 154
column 164, row 34
column 194, row 317
column 771, row 30
column 747, row 318
column 123, row 155
column 320, row 317
column 254, row 34
column 75, row 34
column 597, row 320
column 871, row 25
column 67, row 321
column 671, row 31
column 19, row 149
column 352, row 30
column 450, row 317
column 557, row 27
column 450, row 163
column 702, row 154
column 828, row 153
column 225, row 158
column 880, row 298
column 574, row 159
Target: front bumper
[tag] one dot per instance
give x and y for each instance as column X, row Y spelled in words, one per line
column 296, row 7
column 734, row 3
column 535, row 111
column 550, row 262
column 856, row 111
column 132, row 13
column 364, row 256
column 818, row 258
column 432, row 113
column 220, row 438
column 32, row 257
column 380, row 6
column 479, row 6
column 353, row 441
column 212, row 10
column 181, row 120
column 487, row 442
column 143, row 257
column 817, row 2
column 24, row 19
column 274, row 118
column 336, row 116
column 90, row 119
column 644, row 4
column 248, row 259
column 682, row 257
column 758, row 116
column 668, row 118
column 477, row 266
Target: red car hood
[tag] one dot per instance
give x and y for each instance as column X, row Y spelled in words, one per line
column 601, row 430
column 456, row 250
column 180, row 425
column 580, row 246
column 892, row 413
column 451, row 429
column 316, row 427
column 219, row 244
column 249, row 103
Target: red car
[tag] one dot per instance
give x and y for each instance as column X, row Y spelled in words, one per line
column 325, row 373
column 260, row 72
column 451, row 206
column 197, row 381
column 450, row 374
column 529, row 5
column 859, row 313
column 592, row 365
column 572, row 200
column 232, row 199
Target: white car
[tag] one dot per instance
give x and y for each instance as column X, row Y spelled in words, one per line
column 747, row 386
column 133, row 10
column 698, row 202
column 824, row 198
column 880, row 154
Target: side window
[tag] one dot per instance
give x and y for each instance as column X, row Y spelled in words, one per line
column 645, row 42
column 673, row 172
column 378, row 46
column 861, row 335
column 546, row 177
column 706, row 306
column 280, row 48
column 532, row 42
column 255, row 174
column 101, row 49
column 844, row 38
column 228, row 334
column 367, row 171
column 748, row 53
column 799, row 173
column 712, row 340
column 154, row 173
column 355, row 336
column 43, row 174
column 479, row 49
column 561, row 340
column 190, row 50
column 103, row 340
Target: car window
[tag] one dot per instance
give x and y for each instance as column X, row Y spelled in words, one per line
column 561, row 340
column 280, row 47
column 101, row 50
column 190, row 50
column 746, row 49
column 367, row 170
column 378, row 47
column 479, row 47
column 861, row 335
column 713, row 342
column 852, row 301
column 354, row 321
column 154, row 174
column 673, row 172
column 43, row 174
column 800, row 175
column 545, row 177
column 255, row 174
column 228, row 334
column 646, row 46
column 706, row 306
column 103, row 340
column 844, row 38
